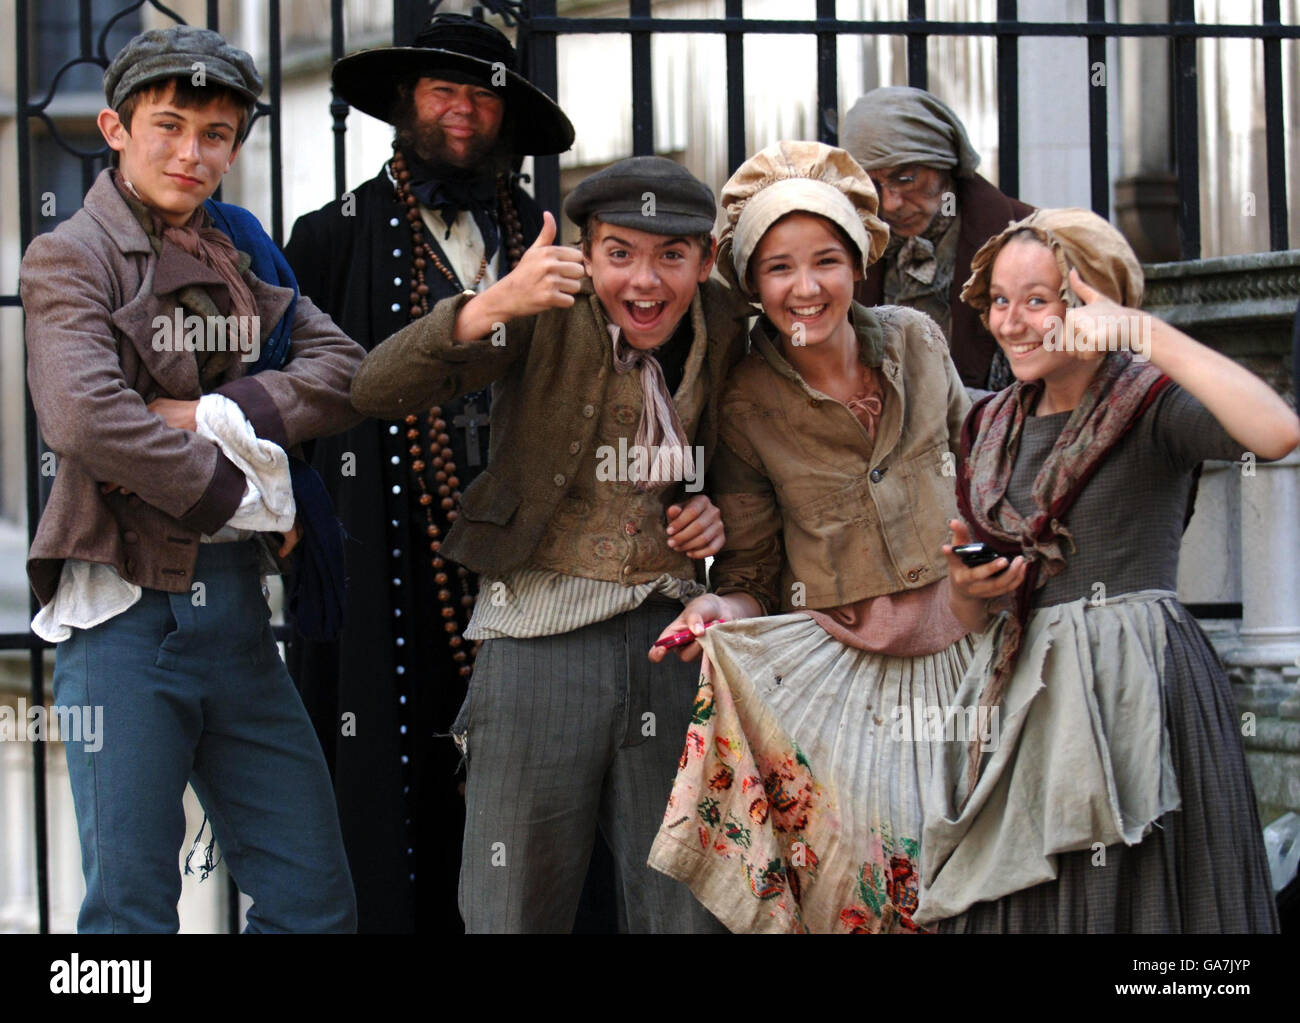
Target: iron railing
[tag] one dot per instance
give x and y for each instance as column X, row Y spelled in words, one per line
column 539, row 26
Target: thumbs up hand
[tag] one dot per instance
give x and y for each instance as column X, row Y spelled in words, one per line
column 1099, row 324
column 546, row 235
column 546, row 277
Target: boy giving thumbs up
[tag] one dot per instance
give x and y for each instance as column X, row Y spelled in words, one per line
column 588, row 532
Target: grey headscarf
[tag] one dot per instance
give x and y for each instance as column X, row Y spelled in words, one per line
column 899, row 125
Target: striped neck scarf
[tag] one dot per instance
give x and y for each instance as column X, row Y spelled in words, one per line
column 660, row 432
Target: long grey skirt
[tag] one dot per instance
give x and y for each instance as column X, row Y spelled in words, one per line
column 1201, row 868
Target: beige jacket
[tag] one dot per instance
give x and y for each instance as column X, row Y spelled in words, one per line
column 816, row 516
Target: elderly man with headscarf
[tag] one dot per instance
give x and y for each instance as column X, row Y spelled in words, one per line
column 939, row 213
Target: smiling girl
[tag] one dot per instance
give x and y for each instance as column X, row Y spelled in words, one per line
column 798, row 798
column 1118, row 798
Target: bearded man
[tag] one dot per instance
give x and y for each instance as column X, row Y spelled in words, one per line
column 444, row 215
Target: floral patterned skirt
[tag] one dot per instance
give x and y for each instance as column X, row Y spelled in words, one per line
column 798, row 799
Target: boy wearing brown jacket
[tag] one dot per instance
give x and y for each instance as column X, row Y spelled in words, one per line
column 172, row 488
column 606, row 364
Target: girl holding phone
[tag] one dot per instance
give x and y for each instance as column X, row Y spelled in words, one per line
column 1118, row 797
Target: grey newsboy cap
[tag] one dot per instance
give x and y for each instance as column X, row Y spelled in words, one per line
column 173, row 53
column 648, row 193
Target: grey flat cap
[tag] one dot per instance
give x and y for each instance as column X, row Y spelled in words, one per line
column 173, row 53
column 648, row 193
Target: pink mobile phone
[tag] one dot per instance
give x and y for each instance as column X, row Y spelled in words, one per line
column 685, row 636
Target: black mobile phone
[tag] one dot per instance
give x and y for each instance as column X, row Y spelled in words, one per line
column 975, row 554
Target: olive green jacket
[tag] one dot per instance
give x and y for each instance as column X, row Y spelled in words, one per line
column 548, row 374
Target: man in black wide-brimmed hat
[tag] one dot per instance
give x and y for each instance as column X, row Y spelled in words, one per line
column 444, row 215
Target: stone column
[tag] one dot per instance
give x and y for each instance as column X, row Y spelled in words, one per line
column 202, row 906
column 1267, row 657
column 1054, row 81
column 1146, row 196
column 1265, row 663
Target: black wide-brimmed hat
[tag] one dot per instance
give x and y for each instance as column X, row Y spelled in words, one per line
column 463, row 49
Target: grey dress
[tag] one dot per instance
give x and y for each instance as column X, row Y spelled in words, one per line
column 1202, row 867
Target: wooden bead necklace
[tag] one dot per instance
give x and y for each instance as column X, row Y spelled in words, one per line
column 440, row 454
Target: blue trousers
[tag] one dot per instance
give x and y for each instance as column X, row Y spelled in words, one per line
column 193, row 690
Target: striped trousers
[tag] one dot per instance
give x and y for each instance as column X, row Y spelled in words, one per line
column 564, row 734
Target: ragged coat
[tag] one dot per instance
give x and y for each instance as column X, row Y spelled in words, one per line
column 92, row 290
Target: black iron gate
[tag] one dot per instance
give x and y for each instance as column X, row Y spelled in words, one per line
column 101, row 27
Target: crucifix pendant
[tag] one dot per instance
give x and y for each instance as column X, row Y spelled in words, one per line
column 470, row 421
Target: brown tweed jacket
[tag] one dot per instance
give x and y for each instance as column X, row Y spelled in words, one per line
column 549, row 380
column 91, row 296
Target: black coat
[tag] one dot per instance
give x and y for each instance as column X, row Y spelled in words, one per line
column 390, row 679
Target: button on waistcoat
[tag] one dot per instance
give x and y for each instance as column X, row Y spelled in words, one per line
column 604, row 528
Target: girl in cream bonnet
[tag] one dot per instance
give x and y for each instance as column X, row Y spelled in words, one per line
column 798, row 800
